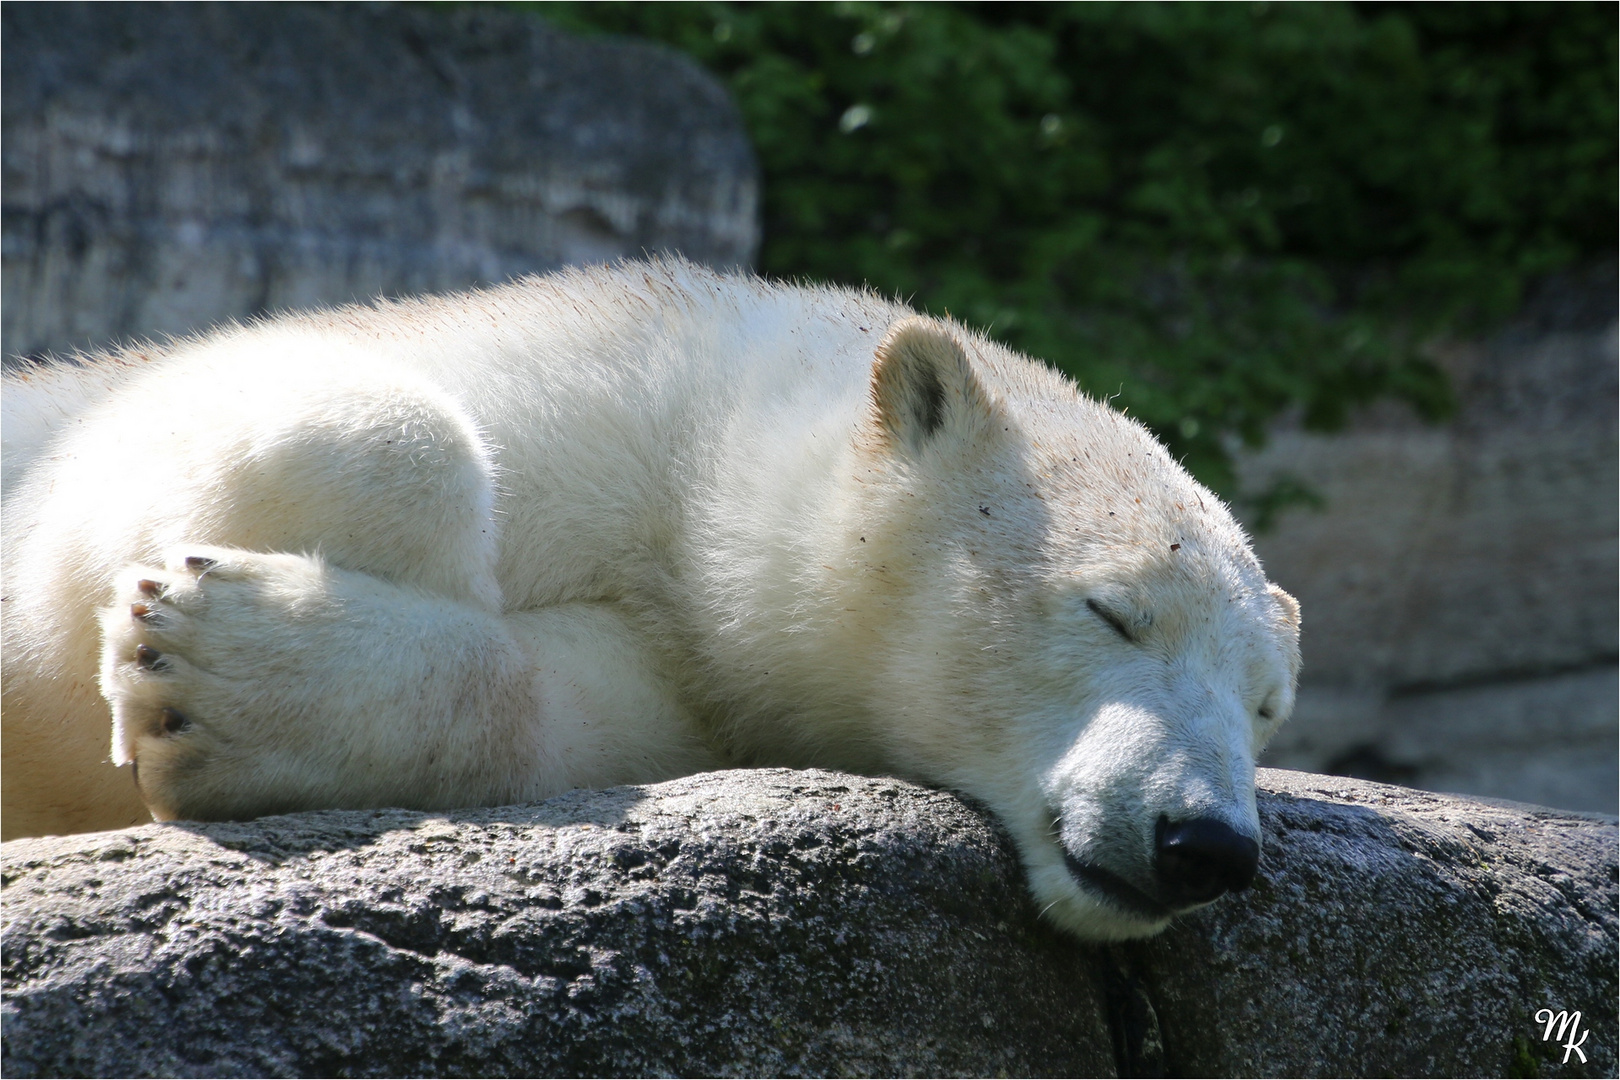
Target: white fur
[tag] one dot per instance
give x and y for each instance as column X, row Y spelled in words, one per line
column 615, row 526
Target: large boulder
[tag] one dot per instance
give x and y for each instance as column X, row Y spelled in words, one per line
column 170, row 166
column 792, row 923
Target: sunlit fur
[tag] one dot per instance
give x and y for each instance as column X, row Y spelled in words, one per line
column 614, row 526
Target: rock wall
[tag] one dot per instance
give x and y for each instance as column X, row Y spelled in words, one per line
column 800, row 923
column 170, row 166
column 1459, row 590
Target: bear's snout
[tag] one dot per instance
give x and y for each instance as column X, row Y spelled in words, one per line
column 1200, row 859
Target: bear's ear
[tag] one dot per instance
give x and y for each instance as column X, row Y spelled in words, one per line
column 923, row 388
column 1290, row 606
column 1290, row 618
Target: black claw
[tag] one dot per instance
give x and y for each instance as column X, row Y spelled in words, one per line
column 148, row 587
column 149, row 658
column 174, row 722
column 200, row 563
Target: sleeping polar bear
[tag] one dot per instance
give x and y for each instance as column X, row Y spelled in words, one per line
column 621, row 525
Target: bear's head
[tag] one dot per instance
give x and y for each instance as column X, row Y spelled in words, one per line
column 1076, row 631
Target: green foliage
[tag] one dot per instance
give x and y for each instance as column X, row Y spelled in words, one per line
column 1212, row 213
column 1523, row 1063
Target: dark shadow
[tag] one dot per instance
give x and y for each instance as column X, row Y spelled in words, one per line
column 1367, row 761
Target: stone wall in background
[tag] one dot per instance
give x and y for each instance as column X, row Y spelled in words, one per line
column 169, row 166
column 1459, row 589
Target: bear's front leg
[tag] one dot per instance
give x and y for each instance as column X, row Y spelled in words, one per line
column 245, row 683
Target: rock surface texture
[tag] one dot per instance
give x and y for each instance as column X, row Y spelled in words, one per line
column 795, row 923
column 167, row 167
column 1459, row 589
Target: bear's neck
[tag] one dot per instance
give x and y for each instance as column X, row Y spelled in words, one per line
column 786, row 592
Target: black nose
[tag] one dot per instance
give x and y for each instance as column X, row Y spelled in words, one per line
column 1202, row 858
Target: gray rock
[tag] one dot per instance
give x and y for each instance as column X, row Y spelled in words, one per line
column 1458, row 562
column 1397, row 933
column 780, row 922
column 1546, row 740
column 167, row 167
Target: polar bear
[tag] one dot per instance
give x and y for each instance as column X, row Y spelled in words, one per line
column 619, row 525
